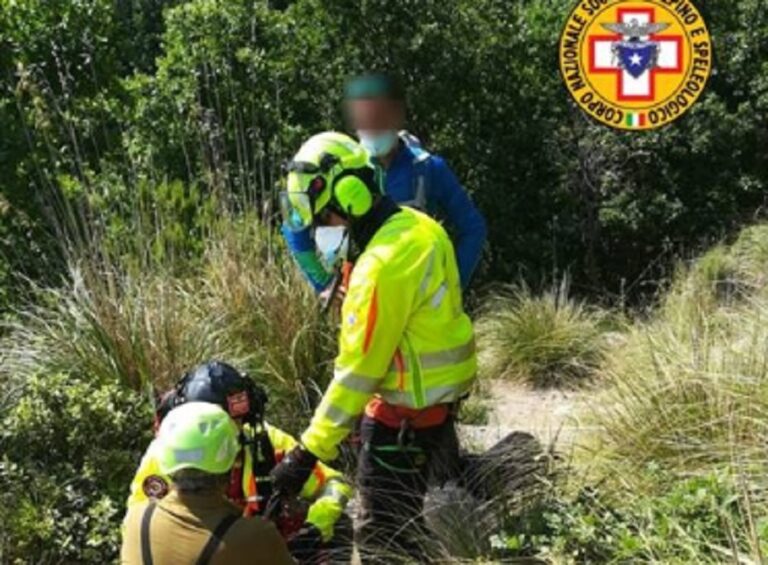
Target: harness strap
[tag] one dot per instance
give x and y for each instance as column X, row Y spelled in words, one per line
column 146, row 520
column 421, row 179
column 263, row 460
column 216, row 538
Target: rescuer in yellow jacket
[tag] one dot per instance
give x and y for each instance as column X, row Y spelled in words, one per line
column 319, row 529
column 406, row 347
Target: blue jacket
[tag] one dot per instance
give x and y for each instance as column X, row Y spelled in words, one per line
column 422, row 180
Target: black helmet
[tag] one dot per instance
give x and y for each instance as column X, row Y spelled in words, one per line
column 222, row 384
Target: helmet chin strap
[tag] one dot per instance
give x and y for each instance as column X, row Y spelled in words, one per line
column 335, row 207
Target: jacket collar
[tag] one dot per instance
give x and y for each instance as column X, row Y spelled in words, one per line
column 403, row 156
column 363, row 229
column 198, row 501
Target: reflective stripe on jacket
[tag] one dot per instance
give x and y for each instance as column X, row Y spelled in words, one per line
column 326, row 489
column 404, row 334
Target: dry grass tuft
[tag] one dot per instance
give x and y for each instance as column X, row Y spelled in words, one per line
column 545, row 340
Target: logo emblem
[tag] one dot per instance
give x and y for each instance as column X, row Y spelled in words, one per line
column 155, row 486
column 635, row 64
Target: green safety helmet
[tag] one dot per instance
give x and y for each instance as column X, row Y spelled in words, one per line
column 197, row 435
column 331, row 171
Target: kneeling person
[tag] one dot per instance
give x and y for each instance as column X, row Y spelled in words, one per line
column 318, row 524
column 196, row 447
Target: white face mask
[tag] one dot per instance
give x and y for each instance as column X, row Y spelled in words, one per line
column 332, row 244
column 378, row 143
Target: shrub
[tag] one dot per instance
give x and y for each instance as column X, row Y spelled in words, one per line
column 697, row 520
column 548, row 512
column 544, row 340
column 70, row 448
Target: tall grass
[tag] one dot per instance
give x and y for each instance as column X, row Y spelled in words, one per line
column 690, row 402
column 679, row 449
column 721, row 278
column 114, row 327
column 544, row 340
column 689, row 387
column 687, row 400
column 267, row 307
column 143, row 321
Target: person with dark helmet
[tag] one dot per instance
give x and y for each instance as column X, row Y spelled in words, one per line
column 315, row 524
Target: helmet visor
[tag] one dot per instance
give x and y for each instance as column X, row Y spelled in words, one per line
column 296, row 208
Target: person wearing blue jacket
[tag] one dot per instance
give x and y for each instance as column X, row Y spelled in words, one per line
column 410, row 175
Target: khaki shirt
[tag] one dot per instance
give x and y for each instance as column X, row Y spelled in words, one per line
column 181, row 527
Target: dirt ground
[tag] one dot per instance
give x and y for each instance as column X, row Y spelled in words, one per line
column 550, row 415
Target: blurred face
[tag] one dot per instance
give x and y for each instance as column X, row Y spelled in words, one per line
column 328, row 219
column 377, row 121
column 375, row 115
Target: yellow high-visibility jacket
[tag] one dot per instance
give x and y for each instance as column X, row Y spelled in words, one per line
column 326, row 489
column 404, row 333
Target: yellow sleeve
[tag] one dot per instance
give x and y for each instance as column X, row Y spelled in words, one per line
column 148, row 478
column 330, row 504
column 374, row 317
column 281, row 441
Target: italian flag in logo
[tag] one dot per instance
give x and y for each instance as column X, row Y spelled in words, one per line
column 634, row 119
